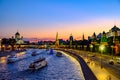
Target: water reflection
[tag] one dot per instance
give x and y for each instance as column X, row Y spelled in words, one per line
column 20, row 54
column 59, row 68
column 3, row 60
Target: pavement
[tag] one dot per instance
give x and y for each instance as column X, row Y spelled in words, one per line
column 99, row 65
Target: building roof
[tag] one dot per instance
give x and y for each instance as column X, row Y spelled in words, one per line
column 94, row 35
column 71, row 37
column 99, row 35
column 115, row 28
column 17, row 33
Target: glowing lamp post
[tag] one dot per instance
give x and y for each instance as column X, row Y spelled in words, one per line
column 112, row 51
column 102, row 47
column 3, row 47
column 91, row 46
column 45, row 46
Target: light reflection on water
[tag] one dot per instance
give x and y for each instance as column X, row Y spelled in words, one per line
column 3, row 60
column 59, row 68
column 20, row 54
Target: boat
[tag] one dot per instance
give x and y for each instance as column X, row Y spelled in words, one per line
column 51, row 51
column 39, row 63
column 34, row 53
column 111, row 61
column 59, row 54
column 12, row 58
column 118, row 60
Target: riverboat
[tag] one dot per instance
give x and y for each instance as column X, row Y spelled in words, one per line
column 39, row 63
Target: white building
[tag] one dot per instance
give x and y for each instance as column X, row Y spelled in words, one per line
column 19, row 40
column 115, row 31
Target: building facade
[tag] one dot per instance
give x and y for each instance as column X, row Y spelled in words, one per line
column 18, row 38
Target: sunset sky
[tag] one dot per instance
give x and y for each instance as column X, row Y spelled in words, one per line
column 43, row 18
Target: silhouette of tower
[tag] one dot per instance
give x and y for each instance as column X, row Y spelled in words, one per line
column 83, row 38
column 94, row 38
column 71, row 40
column 57, row 41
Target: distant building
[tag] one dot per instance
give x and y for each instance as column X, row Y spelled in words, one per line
column 71, row 37
column 18, row 38
column 83, row 38
column 61, row 41
column 99, row 36
column 94, row 38
column 71, row 40
column 114, row 33
column 104, row 40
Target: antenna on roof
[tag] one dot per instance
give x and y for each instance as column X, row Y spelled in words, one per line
column 114, row 22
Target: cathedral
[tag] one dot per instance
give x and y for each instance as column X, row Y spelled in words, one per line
column 18, row 38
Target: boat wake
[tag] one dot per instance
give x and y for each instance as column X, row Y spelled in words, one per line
column 49, row 57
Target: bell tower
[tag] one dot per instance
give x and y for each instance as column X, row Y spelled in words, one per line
column 57, row 41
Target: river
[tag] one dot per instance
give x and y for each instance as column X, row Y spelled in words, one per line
column 59, row 68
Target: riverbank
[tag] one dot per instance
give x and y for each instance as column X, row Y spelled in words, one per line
column 88, row 74
column 10, row 52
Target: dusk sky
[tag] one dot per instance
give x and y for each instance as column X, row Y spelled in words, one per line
column 43, row 18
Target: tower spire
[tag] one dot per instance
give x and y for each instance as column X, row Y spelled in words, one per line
column 56, row 36
column 71, row 40
column 17, row 30
column 83, row 37
column 57, row 41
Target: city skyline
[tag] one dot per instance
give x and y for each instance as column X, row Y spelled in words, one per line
column 43, row 18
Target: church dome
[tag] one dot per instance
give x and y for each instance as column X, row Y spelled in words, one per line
column 71, row 37
column 17, row 33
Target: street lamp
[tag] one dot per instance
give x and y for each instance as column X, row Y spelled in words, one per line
column 91, row 46
column 102, row 47
column 112, row 50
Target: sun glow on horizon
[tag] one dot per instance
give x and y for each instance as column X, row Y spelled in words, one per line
column 64, row 30
column 42, row 19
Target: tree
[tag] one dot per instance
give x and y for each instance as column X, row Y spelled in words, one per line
column 110, row 40
column 12, row 42
column 4, row 41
